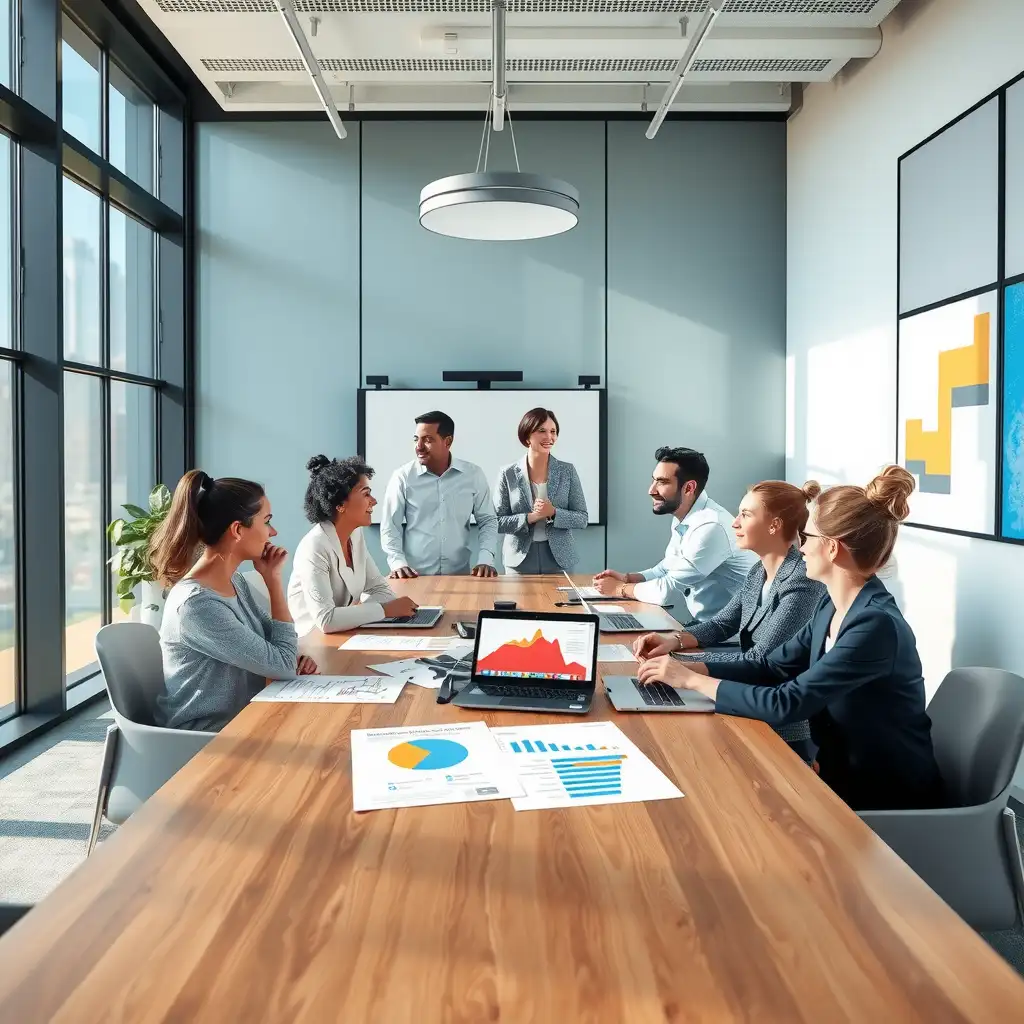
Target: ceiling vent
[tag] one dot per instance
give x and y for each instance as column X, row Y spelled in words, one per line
column 847, row 8
column 516, row 65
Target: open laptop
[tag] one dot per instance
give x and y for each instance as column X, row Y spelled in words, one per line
column 627, row 693
column 423, row 618
column 627, row 622
column 533, row 661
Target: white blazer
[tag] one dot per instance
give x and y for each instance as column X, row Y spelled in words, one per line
column 324, row 593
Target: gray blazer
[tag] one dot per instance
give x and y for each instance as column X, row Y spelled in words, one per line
column 513, row 501
column 762, row 626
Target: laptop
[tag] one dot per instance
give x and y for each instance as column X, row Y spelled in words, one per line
column 628, row 622
column 533, row 661
column 627, row 693
column 423, row 618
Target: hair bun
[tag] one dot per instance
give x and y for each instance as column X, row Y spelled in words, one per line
column 890, row 491
column 317, row 463
column 811, row 490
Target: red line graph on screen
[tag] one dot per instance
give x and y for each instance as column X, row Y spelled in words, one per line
column 535, row 656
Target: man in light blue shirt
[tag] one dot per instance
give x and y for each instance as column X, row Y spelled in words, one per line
column 702, row 566
column 435, row 496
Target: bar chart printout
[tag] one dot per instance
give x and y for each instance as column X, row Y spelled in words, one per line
column 576, row 765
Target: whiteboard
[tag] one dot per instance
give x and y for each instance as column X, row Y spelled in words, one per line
column 485, row 431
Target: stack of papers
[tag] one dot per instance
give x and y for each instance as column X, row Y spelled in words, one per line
column 395, row 642
column 430, row 672
column 334, row 690
column 540, row 766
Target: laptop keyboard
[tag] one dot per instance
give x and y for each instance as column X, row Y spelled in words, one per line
column 658, row 694
column 518, row 691
column 420, row 617
column 622, row 621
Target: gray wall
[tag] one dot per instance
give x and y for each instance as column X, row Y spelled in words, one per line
column 681, row 306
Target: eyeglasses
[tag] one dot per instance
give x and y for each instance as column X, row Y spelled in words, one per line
column 804, row 534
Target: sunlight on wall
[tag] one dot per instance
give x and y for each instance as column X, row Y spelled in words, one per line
column 790, row 406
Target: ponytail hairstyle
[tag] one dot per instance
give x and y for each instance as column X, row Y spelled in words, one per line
column 201, row 512
column 787, row 503
column 866, row 519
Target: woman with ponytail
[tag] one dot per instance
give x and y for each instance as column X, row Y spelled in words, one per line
column 335, row 583
column 853, row 670
column 219, row 645
column 775, row 602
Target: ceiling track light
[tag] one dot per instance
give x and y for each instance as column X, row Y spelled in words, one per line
column 291, row 20
column 498, row 205
column 684, row 65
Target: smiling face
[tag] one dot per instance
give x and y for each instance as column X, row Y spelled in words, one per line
column 432, row 450
column 358, row 506
column 667, row 496
column 543, row 439
column 755, row 529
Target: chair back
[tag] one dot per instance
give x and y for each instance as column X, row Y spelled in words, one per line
column 130, row 657
column 978, row 731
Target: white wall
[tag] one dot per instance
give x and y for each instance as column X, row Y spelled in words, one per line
column 963, row 597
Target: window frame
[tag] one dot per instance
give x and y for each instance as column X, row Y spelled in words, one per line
column 44, row 154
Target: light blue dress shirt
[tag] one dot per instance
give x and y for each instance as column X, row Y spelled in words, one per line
column 702, row 566
column 436, row 511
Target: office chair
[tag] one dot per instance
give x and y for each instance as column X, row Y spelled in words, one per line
column 11, row 914
column 138, row 755
column 969, row 852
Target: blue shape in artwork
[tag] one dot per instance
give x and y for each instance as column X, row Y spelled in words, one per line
column 1013, row 414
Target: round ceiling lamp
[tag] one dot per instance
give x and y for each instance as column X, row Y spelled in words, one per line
column 499, row 206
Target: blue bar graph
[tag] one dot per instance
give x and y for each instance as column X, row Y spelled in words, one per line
column 599, row 775
column 528, row 746
column 516, row 749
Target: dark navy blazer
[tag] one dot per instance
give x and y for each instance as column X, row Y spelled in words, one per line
column 864, row 699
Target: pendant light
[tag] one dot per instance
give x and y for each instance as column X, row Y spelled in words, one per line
column 498, row 205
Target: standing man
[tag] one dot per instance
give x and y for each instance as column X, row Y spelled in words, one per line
column 702, row 565
column 435, row 496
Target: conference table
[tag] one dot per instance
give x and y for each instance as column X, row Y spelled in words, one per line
column 247, row 889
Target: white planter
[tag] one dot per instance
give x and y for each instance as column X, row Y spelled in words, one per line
column 149, row 604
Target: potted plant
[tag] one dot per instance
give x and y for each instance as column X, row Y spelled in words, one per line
column 131, row 563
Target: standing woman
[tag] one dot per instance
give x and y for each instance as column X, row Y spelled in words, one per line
column 539, row 501
column 219, row 645
column 335, row 582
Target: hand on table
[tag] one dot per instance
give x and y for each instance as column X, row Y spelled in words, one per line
column 307, row 666
column 654, row 645
column 484, row 571
column 608, row 582
column 403, row 572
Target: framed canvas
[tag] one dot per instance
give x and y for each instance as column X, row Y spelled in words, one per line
column 946, row 413
column 1013, row 414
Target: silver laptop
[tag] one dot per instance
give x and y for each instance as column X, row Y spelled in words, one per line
column 627, row 693
column 627, row 622
column 423, row 618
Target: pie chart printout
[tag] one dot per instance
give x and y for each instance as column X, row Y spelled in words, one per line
column 427, row 754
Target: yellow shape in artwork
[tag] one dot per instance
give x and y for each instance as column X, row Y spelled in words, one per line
column 958, row 368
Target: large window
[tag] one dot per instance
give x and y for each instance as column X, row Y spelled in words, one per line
column 94, row 398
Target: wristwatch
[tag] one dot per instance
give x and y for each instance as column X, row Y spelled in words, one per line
column 622, row 590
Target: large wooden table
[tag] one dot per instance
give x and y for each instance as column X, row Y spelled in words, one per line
column 248, row 890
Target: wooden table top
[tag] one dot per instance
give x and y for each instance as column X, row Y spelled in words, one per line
column 248, row 890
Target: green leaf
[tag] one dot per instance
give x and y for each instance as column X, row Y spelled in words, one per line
column 114, row 531
column 160, row 499
column 126, row 604
column 126, row 588
column 134, row 510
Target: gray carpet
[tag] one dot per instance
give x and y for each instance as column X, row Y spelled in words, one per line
column 47, row 795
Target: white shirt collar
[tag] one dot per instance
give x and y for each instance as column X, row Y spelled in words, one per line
column 456, row 464
column 698, row 506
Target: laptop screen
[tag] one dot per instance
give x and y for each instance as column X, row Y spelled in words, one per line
column 561, row 649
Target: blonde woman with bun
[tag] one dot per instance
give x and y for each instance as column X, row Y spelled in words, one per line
column 776, row 600
column 853, row 670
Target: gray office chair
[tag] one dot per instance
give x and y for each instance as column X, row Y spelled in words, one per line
column 969, row 852
column 11, row 914
column 138, row 755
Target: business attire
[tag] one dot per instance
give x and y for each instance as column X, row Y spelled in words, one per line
column 436, row 511
column 546, row 546
column 702, row 567
column 325, row 593
column 864, row 696
column 218, row 653
column 764, row 616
